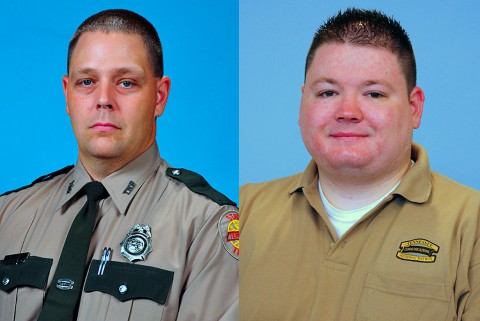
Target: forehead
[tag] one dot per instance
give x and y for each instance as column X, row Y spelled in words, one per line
column 108, row 48
column 354, row 61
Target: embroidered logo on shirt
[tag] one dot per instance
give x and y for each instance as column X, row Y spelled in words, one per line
column 418, row 250
column 228, row 228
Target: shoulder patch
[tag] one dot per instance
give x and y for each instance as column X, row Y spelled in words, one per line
column 43, row 178
column 196, row 183
column 228, row 229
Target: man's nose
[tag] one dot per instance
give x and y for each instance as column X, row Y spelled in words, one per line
column 105, row 96
column 349, row 110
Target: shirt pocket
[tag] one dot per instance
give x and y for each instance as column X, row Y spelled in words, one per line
column 128, row 281
column 134, row 289
column 22, row 287
column 32, row 272
column 387, row 299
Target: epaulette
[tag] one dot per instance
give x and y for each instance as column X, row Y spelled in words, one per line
column 196, row 183
column 43, row 178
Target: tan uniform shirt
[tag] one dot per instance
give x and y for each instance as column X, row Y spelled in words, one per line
column 416, row 256
column 185, row 228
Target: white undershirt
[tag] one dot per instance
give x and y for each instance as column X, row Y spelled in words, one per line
column 342, row 220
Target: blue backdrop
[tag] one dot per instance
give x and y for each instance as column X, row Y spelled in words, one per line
column 274, row 40
column 199, row 129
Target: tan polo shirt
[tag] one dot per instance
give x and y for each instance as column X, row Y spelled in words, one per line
column 187, row 236
column 416, row 256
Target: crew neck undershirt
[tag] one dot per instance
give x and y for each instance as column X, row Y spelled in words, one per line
column 343, row 220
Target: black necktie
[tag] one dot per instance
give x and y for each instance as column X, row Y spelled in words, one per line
column 64, row 292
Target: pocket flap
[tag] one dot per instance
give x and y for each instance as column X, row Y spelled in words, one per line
column 32, row 272
column 127, row 281
column 408, row 288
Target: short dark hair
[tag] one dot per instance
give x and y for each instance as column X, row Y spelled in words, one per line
column 121, row 20
column 367, row 28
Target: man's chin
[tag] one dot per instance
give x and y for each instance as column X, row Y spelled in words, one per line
column 346, row 162
column 103, row 152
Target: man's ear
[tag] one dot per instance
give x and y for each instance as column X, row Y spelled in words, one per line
column 65, row 90
column 163, row 89
column 417, row 99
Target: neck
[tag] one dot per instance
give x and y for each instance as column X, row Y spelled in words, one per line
column 347, row 192
column 99, row 169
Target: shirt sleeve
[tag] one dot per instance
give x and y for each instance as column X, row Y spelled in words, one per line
column 211, row 289
column 469, row 303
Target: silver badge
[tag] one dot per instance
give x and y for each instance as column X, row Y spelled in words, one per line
column 137, row 243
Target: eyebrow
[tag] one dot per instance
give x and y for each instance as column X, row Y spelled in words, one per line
column 116, row 71
column 366, row 83
column 324, row 79
column 378, row 82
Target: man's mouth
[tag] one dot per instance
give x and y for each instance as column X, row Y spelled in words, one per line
column 348, row 135
column 104, row 127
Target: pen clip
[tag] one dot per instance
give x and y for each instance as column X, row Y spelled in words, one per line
column 106, row 253
column 102, row 260
column 107, row 258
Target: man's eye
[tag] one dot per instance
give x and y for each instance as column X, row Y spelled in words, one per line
column 375, row 95
column 328, row 93
column 126, row 84
column 86, row 82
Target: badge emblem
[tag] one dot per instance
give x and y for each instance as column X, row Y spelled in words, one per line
column 418, row 250
column 137, row 243
column 228, row 228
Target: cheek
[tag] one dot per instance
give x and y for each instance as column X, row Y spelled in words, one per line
column 382, row 119
column 400, row 120
column 75, row 116
column 313, row 125
column 141, row 120
column 392, row 128
column 78, row 125
column 312, row 118
column 81, row 112
column 78, row 104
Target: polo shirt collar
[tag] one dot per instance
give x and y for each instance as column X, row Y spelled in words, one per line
column 416, row 185
column 308, row 178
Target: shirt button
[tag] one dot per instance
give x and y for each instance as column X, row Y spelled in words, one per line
column 5, row 281
column 332, row 244
column 122, row 289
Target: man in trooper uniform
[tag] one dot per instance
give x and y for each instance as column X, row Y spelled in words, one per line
column 164, row 243
column 367, row 231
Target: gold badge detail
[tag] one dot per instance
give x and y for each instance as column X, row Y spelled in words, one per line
column 418, row 250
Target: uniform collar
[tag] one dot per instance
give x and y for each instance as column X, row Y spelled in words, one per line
column 415, row 186
column 122, row 185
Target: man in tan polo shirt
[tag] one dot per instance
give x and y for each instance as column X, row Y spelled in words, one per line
column 367, row 231
column 164, row 245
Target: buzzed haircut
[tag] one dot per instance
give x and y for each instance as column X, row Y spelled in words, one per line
column 125, row 21
column 367, row 28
